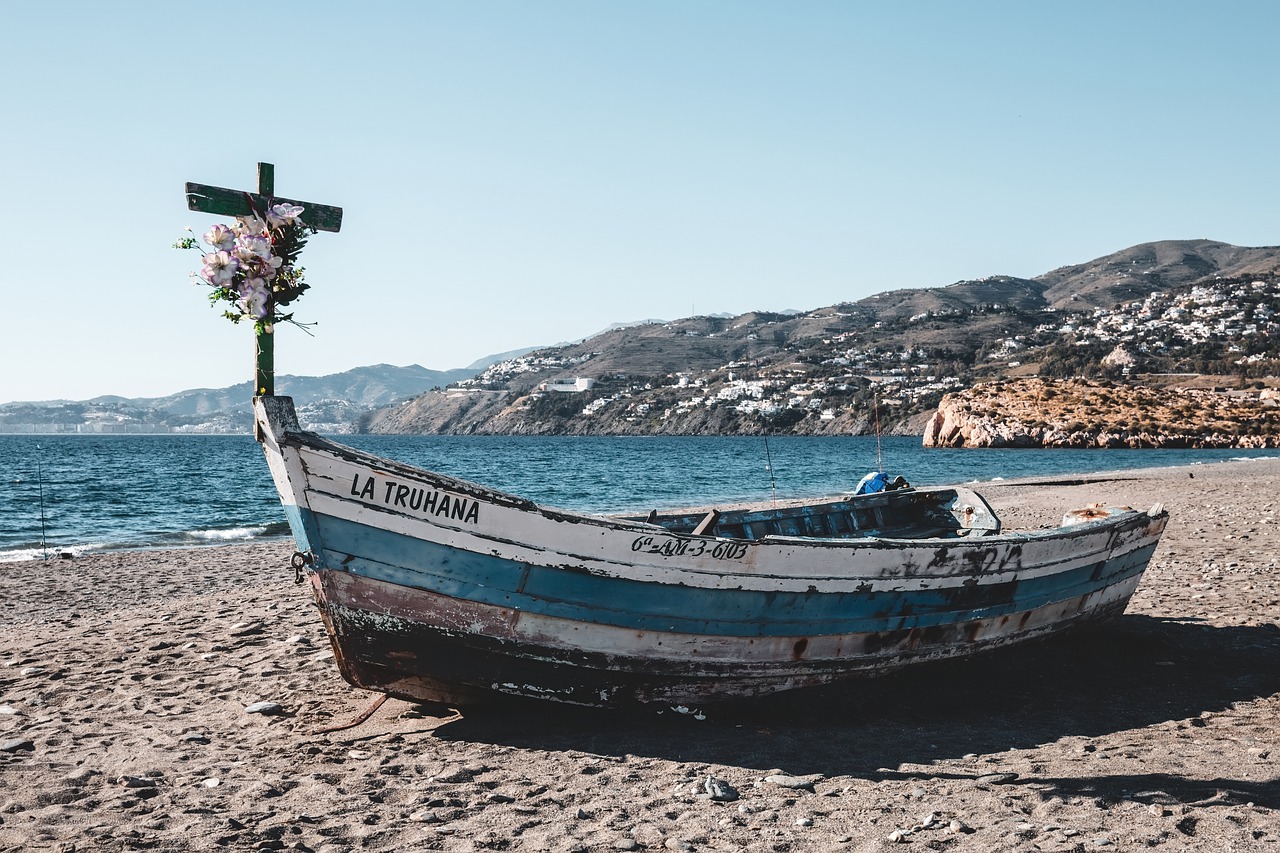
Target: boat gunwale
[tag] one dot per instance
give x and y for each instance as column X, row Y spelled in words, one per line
column 304, row 440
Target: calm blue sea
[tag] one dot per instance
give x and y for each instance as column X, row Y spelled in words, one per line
column 78, row 493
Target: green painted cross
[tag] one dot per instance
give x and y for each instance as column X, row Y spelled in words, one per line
column 225, row 202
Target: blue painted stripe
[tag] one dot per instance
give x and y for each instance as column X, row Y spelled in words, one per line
column 302, row 523
column 579, row 596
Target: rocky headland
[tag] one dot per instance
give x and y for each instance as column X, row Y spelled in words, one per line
column 1077, row 413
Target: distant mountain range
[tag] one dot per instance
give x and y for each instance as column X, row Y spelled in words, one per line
column 1189, row 306
column 332, row 402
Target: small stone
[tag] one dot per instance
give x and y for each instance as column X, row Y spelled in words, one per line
column 264, row 708
column 626, row 844
column 425, row 816
column 211, row 782
column 582, row 814
column 997, row 778
column 495, row 797
column 17, row 745
column 918, row 792
column 359, row 754
column 1102, row 842
column 795, row 783
column 958, row 826
column 8, row 710
column 194, row 737
column 897, row 836
column 804, row 821
column 1157, row 810
column 125, row 781
column 244, row 629
column 719, row 790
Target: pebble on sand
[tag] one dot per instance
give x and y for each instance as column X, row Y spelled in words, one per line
column 796, row 783
column 265, row 708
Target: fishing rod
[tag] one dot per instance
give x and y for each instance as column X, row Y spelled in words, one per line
column 773, row 484
column 44, row 548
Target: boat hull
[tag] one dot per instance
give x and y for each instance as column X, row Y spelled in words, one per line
column 437, row 589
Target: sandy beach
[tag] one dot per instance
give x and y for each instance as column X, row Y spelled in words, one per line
column 129, row 720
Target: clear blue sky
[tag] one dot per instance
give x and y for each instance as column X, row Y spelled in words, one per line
column 522, row 173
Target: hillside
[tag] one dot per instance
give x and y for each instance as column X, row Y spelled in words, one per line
column 1135, row 272
column 1182, row 306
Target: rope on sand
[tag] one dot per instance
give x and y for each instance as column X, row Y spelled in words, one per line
column 366, row 714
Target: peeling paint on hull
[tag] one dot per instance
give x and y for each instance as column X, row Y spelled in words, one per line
column 437, row 589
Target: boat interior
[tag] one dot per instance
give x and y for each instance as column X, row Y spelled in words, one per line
column 896, row 514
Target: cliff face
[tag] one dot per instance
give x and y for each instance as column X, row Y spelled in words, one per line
column 1077, row 413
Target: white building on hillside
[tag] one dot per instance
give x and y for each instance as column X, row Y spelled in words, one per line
column 572, row 385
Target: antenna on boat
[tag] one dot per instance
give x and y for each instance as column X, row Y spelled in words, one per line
column 44, row 548
column 773, row 483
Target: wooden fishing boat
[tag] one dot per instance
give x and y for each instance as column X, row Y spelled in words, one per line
column 434, row 588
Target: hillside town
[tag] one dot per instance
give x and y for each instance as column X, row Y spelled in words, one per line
column 1226, row 327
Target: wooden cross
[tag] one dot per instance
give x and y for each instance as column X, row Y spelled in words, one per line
column 225, row 202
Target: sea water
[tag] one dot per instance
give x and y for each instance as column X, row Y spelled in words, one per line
column 74, row 493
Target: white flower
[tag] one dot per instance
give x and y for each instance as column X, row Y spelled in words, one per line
column 250, row 246
column 220, row 237
column 219, row 268
column 281, row 214
column 249, row 225
column 253, row 298
column 272, row 266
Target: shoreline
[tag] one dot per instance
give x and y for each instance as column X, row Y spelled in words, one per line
column 126, row 678
column 82, row 550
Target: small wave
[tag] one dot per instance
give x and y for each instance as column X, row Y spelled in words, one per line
column 51, row 552
column 225, row 534
column 1253, row 458
column 208, row 537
